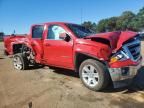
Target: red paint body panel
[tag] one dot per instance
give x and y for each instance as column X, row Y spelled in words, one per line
column 37, row 45
column 58, row 52
column 62, row 54
column 124, row 36
column 116, row 38
column 9, row 41
column 92, row 48
column 113, row 37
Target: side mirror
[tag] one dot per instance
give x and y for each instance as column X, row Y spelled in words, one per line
column 65, row 37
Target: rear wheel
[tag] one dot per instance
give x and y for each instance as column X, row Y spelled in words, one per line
column 94, row 74
column 20, row 62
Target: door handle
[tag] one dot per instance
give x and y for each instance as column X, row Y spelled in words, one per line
column 47, row 44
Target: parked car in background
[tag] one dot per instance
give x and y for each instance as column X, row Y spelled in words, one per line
column 1, row 36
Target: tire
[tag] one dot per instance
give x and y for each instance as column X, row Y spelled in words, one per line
column 94, row 74
column 20, row 62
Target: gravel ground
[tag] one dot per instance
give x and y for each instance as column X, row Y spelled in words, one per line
column 59, row 88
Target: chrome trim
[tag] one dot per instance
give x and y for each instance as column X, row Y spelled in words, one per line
column 116, row 73
column 127, row 51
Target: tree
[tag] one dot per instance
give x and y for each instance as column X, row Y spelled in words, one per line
column 90, row 25
column 127, row 20
column 133, row 25
column 124, row 20
column 102, row 25
column 107, row 24
column 116, row 23
column 111, row 24
column 140, row 19
column 137, row 23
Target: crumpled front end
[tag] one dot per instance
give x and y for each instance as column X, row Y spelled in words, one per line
column 125, row 63
column 123, row 55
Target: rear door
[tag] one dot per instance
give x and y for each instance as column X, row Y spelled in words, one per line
column 37, row 41
column 57, row 51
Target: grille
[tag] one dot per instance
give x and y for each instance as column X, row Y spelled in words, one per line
column 135, row 51
column 132, row 48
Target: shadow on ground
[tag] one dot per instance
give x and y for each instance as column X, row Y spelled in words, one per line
column 137, row 83
column 127, row 103
column 65, row 72
column 37, row 66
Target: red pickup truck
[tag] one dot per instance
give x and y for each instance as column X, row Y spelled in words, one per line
column 99, row 58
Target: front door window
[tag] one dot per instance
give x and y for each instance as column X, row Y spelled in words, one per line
column 54, row 31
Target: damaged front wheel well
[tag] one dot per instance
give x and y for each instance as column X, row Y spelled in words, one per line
column 17, row 48
column 80, row 57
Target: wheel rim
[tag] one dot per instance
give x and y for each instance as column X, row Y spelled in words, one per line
column 17, row 63
column 90, row 76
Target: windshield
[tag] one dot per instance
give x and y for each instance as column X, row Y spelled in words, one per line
column 80, row 31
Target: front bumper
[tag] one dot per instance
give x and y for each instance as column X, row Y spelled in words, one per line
column 123, row 76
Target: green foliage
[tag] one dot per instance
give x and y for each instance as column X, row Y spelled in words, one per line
column 90, row 25
column 139, row 19
column 126, row 21
column 102, row 25
column 107, row 25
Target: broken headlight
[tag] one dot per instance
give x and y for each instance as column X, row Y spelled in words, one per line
column 120, row 56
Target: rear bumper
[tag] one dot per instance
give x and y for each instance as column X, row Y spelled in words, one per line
column 123, row 76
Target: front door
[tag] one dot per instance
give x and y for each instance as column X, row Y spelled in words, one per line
column 57, row 51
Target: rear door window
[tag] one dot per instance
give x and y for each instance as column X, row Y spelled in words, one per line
column 37, row 31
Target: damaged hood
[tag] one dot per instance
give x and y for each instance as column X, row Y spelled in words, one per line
column 114, row 39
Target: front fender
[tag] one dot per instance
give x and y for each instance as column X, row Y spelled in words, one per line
column 99, row 52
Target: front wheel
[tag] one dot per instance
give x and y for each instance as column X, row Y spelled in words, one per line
column 20, row 62
column 94, row 74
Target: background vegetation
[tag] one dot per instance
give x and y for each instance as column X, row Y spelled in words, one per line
column 126, row 21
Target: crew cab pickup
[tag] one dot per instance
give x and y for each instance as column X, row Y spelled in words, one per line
column 99, row 58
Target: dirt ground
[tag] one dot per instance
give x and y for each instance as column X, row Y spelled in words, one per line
column 59, row 88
